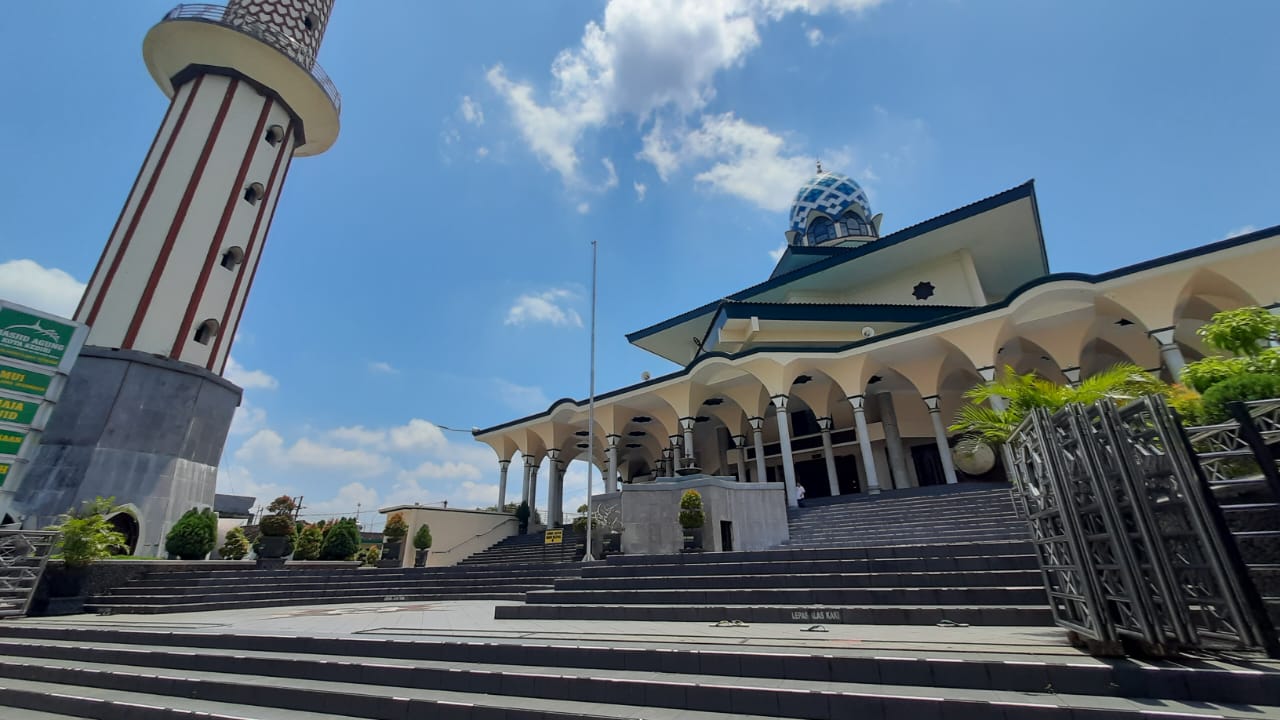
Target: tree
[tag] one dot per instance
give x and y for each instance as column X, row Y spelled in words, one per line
column 422, row 538
column 283, row 505
column 342, row 542
column 236, row 546
column 87, row 535
column 691, row 514
column 193, row 536
column 309, row 542
column 1022, row 393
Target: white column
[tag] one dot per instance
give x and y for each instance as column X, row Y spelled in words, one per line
column 611, row 483
column 533, row 489
column 998, row 403
column 526, row 492
column 829, row 455
column 686, row 424
column 864, row 444
column 1170, row 353
column 893, row 441
column 784, row 436
column 740, row 442
column 667, row 454
column 676, row 455
column 757, row 433
column 553, row 488
column 1073, row 375
column 940, row 433
column 502, row 482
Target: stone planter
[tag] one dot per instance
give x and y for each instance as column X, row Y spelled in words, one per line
column 272, row 551
column 693, row 539
column 392, row 554
column 420, row 558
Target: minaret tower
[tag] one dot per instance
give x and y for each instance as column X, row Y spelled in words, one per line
column 146, row 413
column 246, row 97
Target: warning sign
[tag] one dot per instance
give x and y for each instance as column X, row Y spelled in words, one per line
column 554, row 537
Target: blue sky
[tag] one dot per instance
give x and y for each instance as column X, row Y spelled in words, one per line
column 433, row 267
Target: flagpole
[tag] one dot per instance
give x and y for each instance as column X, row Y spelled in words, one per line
column 591, row 402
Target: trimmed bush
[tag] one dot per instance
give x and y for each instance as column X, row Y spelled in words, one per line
column 236, row 546
column 1240, row 388
column 193, row 536
column 370, row 556
column 342, row 542
column 691, row 514
column 276, row 526
column 396, row 527
column 309, row 542
column 422, row 538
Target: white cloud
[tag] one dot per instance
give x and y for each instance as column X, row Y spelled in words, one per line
column 550, row 307
column 644, row 58
column 482, row 152
column 249, row 379
column 521, row 398
column 814, row 35
column 431, row 470
column 381, row 367
column 471, row 111
column 611, row 176
column 248, row 419
column 417, row 435
column 641, row 189
column 584, row 208
column 1242, row 230
column 776, row 254
column 268, row 447
column 26, row 282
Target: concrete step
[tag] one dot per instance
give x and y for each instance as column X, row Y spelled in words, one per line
column 991, row 616
column 897, row 551
column 442, row 585
column 148, row 606
column 782, row 580
column 974, row 596
column 393, row 687
column 852, row 565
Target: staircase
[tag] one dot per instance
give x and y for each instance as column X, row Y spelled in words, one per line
column 967, row 512
column 167, row 591
column 23, row 556
column 52, row 673
column 531, row 548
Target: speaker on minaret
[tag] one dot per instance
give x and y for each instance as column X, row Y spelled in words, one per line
column 146, row 411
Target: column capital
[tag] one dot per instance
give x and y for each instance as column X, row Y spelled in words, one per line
column 1072, row 373
column 780, row 402
column 529, row 461
column 933, row 402
column 504, row 464
column 1164, row 335
column 553, row 454
column 666, row 454
column 859, row 402
column 613, row 439
column 988, row 372
column 757, row 423
column 675, row 439
column 738, row 440
column 686, row 423
column 825, row 424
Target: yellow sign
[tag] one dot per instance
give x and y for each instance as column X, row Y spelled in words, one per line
column 554, row 537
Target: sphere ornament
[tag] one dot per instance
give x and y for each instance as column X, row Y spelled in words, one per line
column 975, row 458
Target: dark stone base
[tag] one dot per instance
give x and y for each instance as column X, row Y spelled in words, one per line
column 147, row 431
column 271, row 563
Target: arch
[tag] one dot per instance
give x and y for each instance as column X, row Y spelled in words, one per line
column 254, row 192
column 855, row 225
column 206, row 331
column 820, row 231
column 125, row 521
column 232, row 258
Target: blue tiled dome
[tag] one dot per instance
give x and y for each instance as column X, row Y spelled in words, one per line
column 829, row 193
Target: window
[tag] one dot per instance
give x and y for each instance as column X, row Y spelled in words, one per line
column 232, row 258
column 207, row 331
column 821, row 231
column 274, row 135
column 309, row 22
column 854, row 225
column 253, row 193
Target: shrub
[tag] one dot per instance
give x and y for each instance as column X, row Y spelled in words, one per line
column 87, row 536
column 1188, row 404
column 309, row 542
column 193, row 536
column 691, row 514
column 522, row 513
column 276, row 525
column 342, row 542
column 236, row 546
column 370, row 555
column 396, row 527
column 283, row 505
column 422, row 538
column 1241, row 388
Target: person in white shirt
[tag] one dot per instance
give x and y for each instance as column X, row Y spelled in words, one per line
column 799, row 495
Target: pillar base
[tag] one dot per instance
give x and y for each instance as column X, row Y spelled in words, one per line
column 146, row 430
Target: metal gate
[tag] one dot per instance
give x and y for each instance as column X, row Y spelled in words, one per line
column 1130, row 543
column 23, row 555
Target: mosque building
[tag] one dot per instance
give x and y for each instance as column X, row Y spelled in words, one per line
column 841, row 371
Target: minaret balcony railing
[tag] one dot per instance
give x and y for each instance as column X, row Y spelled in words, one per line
column 274, row 37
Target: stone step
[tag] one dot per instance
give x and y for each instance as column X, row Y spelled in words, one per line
column 295, row 595
column 884, row 565
column 442, row 584
column 977, row 596
column 196, row 574
column 144, row 605
column 991, row 616
column 772, row 580
column 402, row 689
column 1202, row 679
column 920, row 550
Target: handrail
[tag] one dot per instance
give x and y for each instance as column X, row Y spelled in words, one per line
column 291, row 48
column 474, row 537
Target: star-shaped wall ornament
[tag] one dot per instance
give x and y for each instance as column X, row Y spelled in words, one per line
column 923, row 291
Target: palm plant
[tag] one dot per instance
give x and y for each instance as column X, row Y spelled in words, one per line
column 982, row 423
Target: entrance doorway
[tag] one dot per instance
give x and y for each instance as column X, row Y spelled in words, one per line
column 928, row 465
column 126, row 525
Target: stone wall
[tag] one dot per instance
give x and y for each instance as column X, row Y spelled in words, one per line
column 650, row 514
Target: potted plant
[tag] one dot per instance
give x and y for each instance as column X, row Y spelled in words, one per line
column 522, row 516
column 87, row 536
column 193, row 536
column 692, row 518
column 236, row 545
column 277, row 533
column 393, row 534
column 422, row 543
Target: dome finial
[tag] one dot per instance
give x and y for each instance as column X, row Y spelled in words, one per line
column 819, row 167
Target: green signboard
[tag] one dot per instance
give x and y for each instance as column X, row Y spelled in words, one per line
column 28, row 382
column 18, row 412
column 33, row 339
column 4, row 471
column 11, row 441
